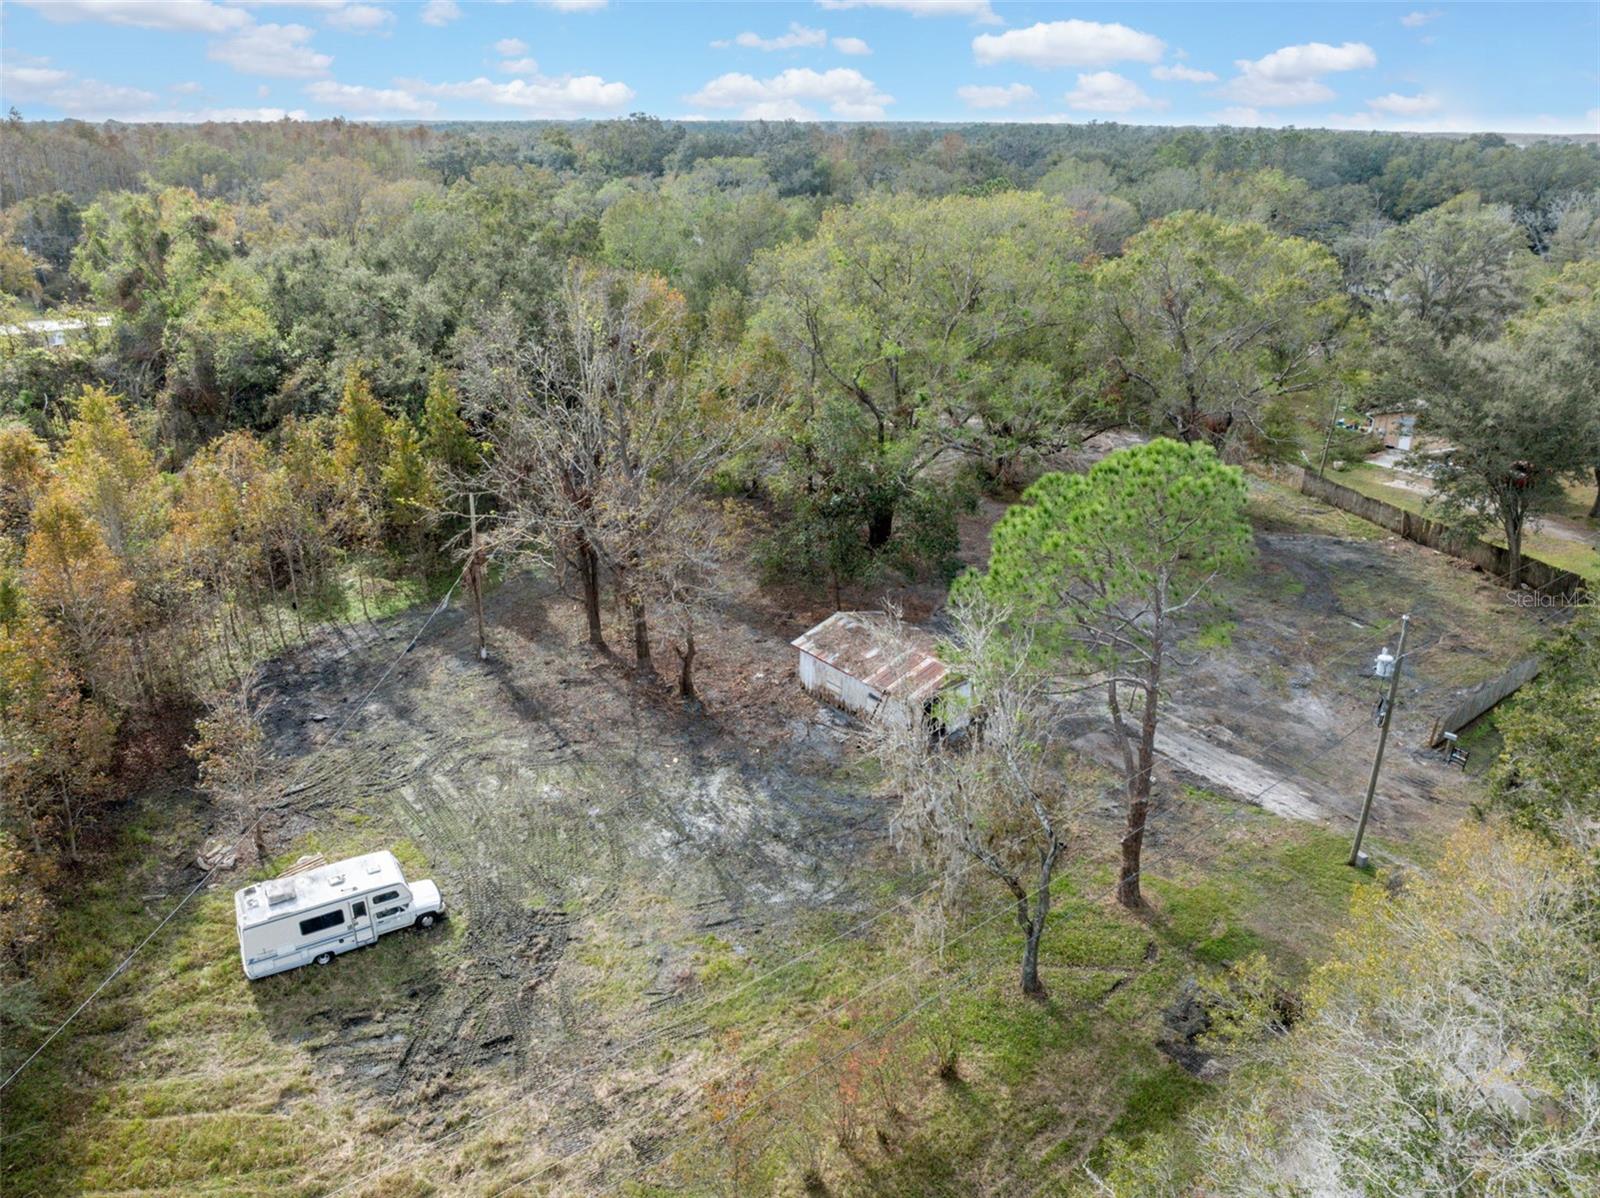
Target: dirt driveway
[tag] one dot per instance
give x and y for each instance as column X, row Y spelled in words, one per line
column 1281, row 713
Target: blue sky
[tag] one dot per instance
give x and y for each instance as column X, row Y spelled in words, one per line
column 1446, row 67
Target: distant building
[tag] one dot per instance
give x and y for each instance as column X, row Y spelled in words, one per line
column 1397, row 430
column 53, row 333
column 861, row 662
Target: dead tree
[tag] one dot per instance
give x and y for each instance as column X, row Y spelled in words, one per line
column 599, row 439
column 997, row 806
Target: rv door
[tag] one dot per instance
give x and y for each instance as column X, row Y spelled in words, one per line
column 361, row 923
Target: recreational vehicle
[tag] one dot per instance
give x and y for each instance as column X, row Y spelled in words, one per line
column 316, row 913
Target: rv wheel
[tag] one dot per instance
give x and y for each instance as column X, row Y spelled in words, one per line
column 427, row 921
column 322, row 958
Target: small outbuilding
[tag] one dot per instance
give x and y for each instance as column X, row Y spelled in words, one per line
column 862, row 662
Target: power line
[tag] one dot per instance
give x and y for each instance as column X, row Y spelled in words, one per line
column 878, row 1033
column 1006, row 908
column 711, row 1004
column 239, row 835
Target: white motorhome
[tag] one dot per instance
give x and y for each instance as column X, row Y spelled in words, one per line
column 314, row 915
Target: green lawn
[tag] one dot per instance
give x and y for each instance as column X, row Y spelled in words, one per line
column 1039, row 1086
column 1557, row 551
column 184, row 1078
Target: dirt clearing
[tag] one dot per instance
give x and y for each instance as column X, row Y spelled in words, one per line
column 621, row 873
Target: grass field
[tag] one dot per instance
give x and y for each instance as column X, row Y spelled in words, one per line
column 681, row 957
column 1559, row 551
column 186, row 1079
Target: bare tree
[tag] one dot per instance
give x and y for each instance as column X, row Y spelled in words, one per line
column 598, row 440
column 230, row 749
column 681, row 567
column 994, row 803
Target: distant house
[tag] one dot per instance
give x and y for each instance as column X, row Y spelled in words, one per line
column 1400, row 431
column 860, row 661
column 1397, row 430
column 53, row 333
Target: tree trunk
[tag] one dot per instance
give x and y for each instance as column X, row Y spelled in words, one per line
column 1032, row 922
column 686, row 671
column 1031, row 985
column 641, row 639
column 1139, row 784
column 1594, row 511
column 589, row 574
column 1513, row 530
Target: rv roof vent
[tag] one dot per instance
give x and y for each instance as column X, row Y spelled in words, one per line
column 336, row 879
column 279, row 890
column 374, row 865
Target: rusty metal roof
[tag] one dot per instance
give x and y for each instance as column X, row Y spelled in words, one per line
column 866, row 646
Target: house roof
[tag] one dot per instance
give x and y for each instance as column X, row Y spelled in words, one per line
column 866, row 646
column 52, row 326
column 326, row 884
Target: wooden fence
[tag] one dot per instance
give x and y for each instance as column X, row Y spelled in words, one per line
column 1493, row 560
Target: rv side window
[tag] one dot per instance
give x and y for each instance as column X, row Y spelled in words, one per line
column 357, row 910
column 318, row 923
column 388, row 911
column 385, row 897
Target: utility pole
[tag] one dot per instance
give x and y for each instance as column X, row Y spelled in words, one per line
column 1327, row 442
column 475, row 574
column 1357, row 857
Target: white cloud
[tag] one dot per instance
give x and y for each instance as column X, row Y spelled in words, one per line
column 1182, row 74
column 198, row 116
column 228, row 115
column 975, row 96
column 191, row 16
column 1287, row 92
column 978, row 10
column 846, row 91
column 1404, row 105
column 520, row 66
column 1416, row 20
column 277, row 51
column 187, row 89
column 347, row 16
column 1465, row 123
column 359, row 18
column 352, row 99
column 1252, row 118
column 564, row 97
column 1310, row 60
column 439, row 12
column 1068, row 44
column 510, row 47
column 87, row 99
column 799, row 37
column 1293, row 74
column 573, row 5
column 851, row 45
column 263, row 92
column 1107, row 91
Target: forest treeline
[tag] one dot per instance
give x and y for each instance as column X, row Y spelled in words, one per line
column 325, row 342
column 649, row 357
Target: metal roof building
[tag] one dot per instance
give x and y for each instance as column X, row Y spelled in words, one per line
column 860, row 661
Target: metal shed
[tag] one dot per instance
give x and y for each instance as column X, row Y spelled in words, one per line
column 860, row 661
